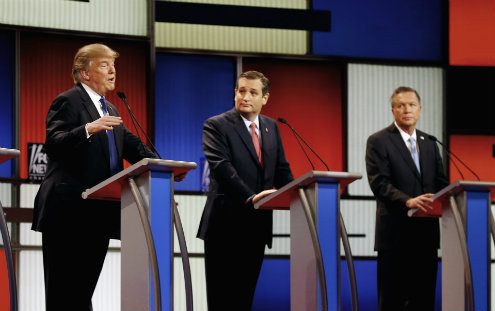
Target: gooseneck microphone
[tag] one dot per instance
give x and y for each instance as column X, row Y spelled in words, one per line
column 451, row 153
column 297, row 138
column 134, row 119
column 281, row 120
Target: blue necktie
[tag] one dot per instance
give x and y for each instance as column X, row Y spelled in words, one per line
column 112, row 147
column 414, row 153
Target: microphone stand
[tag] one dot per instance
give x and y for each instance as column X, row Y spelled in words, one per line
column 449, row 152
column 122, row 96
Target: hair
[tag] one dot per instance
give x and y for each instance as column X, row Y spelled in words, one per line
column 255, row 75
column 403, row 89
column 86, row 54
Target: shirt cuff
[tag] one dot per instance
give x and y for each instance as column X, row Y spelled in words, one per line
column 249, row 200
column 87, row 134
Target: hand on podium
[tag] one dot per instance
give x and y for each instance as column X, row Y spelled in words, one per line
column 180, row 177
column 263, row 194
column 423, row 202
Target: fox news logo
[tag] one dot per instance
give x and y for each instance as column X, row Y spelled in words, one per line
column 38, row 161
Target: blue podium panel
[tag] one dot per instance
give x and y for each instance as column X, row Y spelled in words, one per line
column 478, row 240
column 328, row 233
column 161, row 201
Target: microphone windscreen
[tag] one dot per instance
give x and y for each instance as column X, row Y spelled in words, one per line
column 121, row 95
column 282, row 120
column 432, row 137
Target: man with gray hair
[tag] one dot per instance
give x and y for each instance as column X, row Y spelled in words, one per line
column 86, row 143
column 404, row 170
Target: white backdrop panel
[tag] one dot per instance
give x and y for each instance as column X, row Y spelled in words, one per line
column 127, row 17
column 369, row 110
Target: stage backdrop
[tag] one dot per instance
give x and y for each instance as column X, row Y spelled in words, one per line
column 189, row 90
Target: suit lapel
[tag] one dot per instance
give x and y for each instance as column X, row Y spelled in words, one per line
column 267, row 139
column 243, row 132
column 401, row 147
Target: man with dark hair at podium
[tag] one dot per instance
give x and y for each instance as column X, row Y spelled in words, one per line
column 404, row 171
column 86, row 143
column 246, row 158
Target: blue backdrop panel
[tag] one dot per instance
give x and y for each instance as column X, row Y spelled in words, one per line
column 6, row 97
column 189, row 90
column 273, row 288
column 409, row 30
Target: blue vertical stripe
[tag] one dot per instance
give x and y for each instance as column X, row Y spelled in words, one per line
column 6, row 97
column 478, row 240
column 161, row 226
column 328, row 234
column 189, row 90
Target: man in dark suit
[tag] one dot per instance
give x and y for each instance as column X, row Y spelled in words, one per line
column 246, row 158
column 86, row 143
column 404, row 170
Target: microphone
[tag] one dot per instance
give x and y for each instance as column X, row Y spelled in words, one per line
column 297, row 138
column 450, row 153
column 123, row 97
column 134, row 119
column 281, row 120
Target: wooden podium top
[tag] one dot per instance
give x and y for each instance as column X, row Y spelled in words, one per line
column 281, row 198
column 110, row 189
column 7, row 154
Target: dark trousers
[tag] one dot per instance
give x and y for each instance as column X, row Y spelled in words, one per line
column 407, row 279
column 72, row 264
column 232, row 269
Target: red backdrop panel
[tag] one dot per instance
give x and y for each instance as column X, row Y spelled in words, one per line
column 477, row 152
column 4, row 283
column 45, row 72
column 308, row 95
column 472, row 32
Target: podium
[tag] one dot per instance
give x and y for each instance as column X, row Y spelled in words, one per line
column 466, row 205
column 146, row 191
column 465, row 232
column 315, row 229
column 5, row 155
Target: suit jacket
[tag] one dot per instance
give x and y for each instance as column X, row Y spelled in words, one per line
column 236, row 174
column 394, row 179
column 77, row 163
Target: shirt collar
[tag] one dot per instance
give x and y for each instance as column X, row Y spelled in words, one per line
column 405, row 135
column 95, row 98
column 248, row 123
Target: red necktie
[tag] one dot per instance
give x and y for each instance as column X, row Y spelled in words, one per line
column 256, row 142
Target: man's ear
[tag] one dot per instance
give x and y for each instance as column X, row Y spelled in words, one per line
column 84, row 74
column 265, row 98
